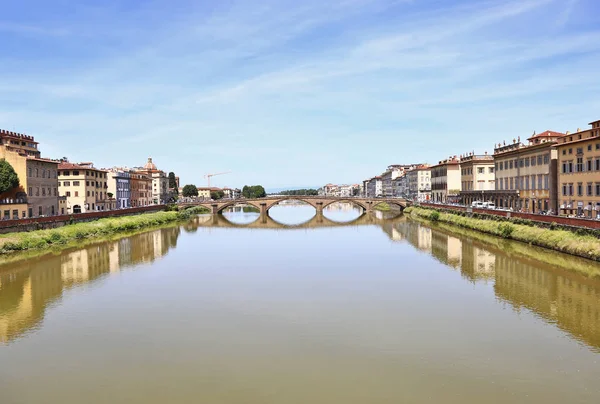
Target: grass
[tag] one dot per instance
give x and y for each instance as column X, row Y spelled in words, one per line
column 582, row 245
column 42, row 239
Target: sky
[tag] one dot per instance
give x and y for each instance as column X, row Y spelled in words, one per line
column 293, row 93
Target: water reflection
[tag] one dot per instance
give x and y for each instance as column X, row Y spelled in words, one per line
column 27, row 288
column 556, row 294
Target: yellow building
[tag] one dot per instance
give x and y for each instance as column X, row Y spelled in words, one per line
column 445, row 180
column 526, row 174
column 579, row 172
column 477, row 177
column 37, row 194
column 84, row 186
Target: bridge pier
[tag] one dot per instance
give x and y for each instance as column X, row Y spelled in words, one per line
column 263, row 208
column 319, row 208
column 214, row 208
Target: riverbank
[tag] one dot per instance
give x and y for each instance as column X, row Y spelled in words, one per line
column 586, row 246
column 63, row 236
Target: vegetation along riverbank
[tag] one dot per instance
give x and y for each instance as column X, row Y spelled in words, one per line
column 583, row 243
column 65, row 235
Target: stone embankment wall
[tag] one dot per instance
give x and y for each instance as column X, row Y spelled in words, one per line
column 51, row 222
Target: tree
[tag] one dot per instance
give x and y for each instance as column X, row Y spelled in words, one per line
column 296, row 192
column 109, row 194
column 217, row 195
column 172, row 180
column 8, row 177
column 253, row 191
column 190, row 190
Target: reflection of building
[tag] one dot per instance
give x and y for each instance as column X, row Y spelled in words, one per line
column 28, row 287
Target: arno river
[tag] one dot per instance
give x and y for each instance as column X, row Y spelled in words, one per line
column 249, row 309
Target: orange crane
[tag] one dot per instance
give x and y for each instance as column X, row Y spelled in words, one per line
column 212, row 175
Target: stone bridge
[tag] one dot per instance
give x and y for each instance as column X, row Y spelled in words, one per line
column 267, row 222
column 317, row 202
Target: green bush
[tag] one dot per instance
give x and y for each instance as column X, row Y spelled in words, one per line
column 506, row 229
column 434, row 216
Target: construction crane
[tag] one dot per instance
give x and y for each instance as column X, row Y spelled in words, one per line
column 212, row 175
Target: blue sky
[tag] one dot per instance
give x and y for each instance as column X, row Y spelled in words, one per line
column 290, row 93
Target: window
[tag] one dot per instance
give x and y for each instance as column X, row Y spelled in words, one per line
column 88, row 193
column 30, row 193
column 564, row 189
column 546, row 159
column 30, row 172
column 67, row 183
column 571, row 189
column 87, row 183
column 491, row 170
column 546, row 181
column 511, row 164
column 37, row 172
column 66, row 173
column 480, row 170
column 539, row 186
column 570, row 167
column 527, row 162
column 580, row 150
column 597, row 146
column 76, row 193
column 75, row 183
column 589, row 147
column 589, row 189
column 564, row 152
column 67, row 194
column 521, row 163
column 533, row 160
column 579, row 164
column 40, row 211
column 44, row 173
column 75, row 172
column 55, row 192
column 597, row 189
column 570, row 151
column 526, row 183
column 598, row 164
column 505, row 183
column 539, row 160
column 579, row 189
column 37, row 191
column 533, row 182
column 589, row 165
column 564, row 168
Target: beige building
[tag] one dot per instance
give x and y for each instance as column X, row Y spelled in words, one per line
column 526, row 175
column 159, row 193
column 419, row 183
column 477, row 177
column 579, row 172
column 84, row 186
column 37, row 194
column 445, row 180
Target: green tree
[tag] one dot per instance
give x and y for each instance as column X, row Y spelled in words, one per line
column 253, row 191
column 217, row 194
column 8, row 177
column 297, row 192
column 172, row 180
column 190, row 190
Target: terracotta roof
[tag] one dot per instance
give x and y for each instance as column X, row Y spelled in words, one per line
column 71, row 166
column 548, row 133
column 150, row 165
column 42, row 159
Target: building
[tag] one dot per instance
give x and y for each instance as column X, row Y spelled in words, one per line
column 37, row 194
column 477, row 178
column 375, row 187
column 419, row 183
column 526, row 175
column 84, row 186
column 160, row 183
column 119, row 186
column 140, row 184
column 445, row 181
column 579, row 172
column 230, row 193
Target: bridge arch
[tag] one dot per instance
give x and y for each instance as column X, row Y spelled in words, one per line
column 353, row 202
column 401, row 205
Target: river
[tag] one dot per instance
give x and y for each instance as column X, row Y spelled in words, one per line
column 293, row 308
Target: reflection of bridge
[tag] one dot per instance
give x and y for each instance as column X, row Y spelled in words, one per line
column 264, row 221
column 317, row 202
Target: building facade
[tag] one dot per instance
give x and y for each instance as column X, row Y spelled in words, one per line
column 477, row 178
column 119, row 185
column 579, row 172
column 141, row 189
column 445, row 181
column 37, row 193
column 84, row 186
column 160, row 183
column 526, row 175
column 419, row 183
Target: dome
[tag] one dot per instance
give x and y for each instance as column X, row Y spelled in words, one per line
column 150, row 165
